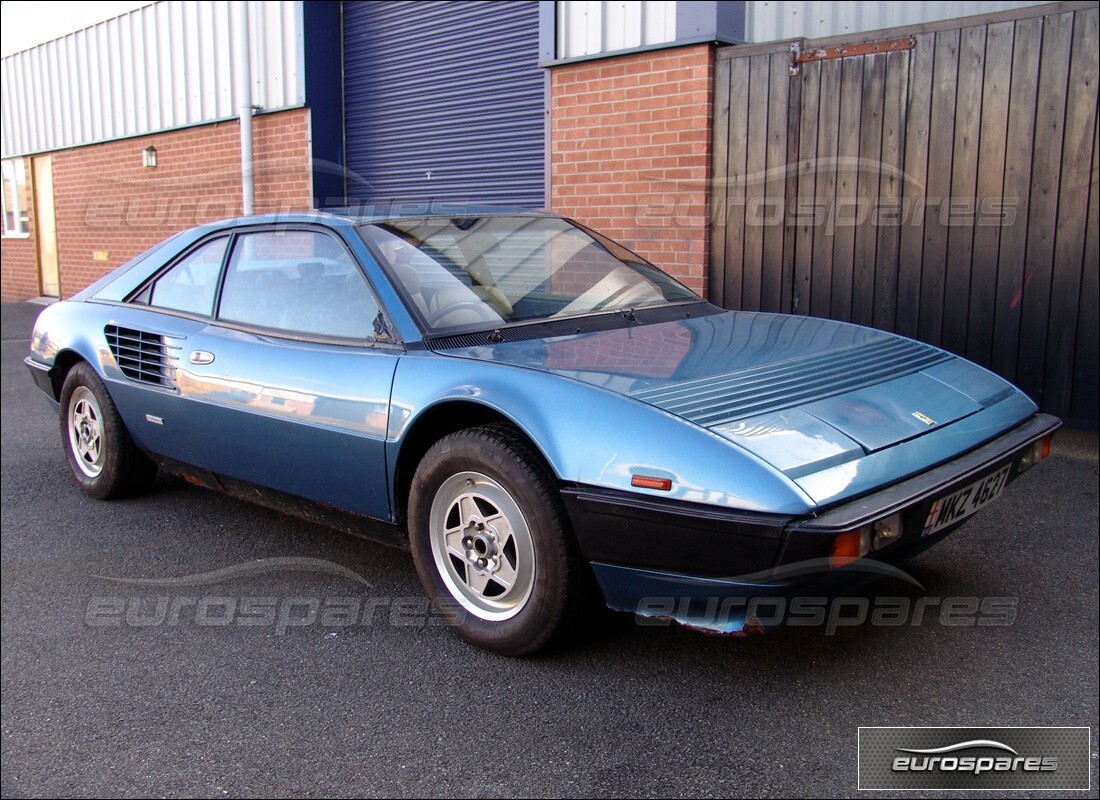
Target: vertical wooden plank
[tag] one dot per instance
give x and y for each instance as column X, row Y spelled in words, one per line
column 771, row 278
column 1019, row 143
column 1050, row 117
column 802, row 211
column 719, row 210
column 991, row 167
column 888, row 214
column 851, row 96
column 792, row 171
column 828, row 135
column 1086, row 374
column 755, row 187
column 1073, row 203
column 917, row 118
column 864, row 256
column 964, row 180
column 941, row 141
column 735, row 192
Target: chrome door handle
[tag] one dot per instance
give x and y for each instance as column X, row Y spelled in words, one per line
column 201, row 357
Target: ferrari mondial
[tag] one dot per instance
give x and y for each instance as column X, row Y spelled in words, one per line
column 545, row 419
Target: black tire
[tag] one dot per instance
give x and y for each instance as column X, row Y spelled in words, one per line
column 493, row 466
column 101, row 454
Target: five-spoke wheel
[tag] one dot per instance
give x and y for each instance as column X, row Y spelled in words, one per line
column 86, row 431
column 102, row 455
column 482, row 546
column 492, row 542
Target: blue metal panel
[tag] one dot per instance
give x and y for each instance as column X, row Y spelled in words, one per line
column 324, row 94
column 445, row 103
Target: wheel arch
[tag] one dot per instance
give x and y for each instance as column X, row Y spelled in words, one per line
column 63, row 364
column 431, row 425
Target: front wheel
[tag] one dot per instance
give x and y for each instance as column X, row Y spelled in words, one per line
column 102, row 456
column 492, row 543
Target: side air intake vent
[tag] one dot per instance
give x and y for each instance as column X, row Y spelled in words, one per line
column 142, row 356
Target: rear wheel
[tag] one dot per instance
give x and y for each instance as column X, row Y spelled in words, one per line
column 102, row 455
column 492, row 543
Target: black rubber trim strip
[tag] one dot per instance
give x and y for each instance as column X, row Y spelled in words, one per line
column 548, row 329
column 626, row 529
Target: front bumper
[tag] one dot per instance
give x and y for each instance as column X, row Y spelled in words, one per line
column 42, row 375
column 703, row 566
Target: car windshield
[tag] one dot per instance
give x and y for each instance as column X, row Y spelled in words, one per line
column 470, row 271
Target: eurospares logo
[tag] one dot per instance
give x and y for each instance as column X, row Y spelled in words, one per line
column 974, row 758
column 953, row 758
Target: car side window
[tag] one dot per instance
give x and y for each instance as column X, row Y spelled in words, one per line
column 300, row 282
column 191, row 284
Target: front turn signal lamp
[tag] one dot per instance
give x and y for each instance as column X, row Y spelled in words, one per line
column 849, row 546
column 858, row 541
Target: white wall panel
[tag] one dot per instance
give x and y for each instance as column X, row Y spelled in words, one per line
column 164, row 65
column 588, row 27
column 773, row 20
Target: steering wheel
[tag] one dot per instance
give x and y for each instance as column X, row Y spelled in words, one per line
column 440, row 313
column 496, row 298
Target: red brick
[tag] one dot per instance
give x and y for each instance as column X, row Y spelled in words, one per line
column 631, row 152
column 106, row 200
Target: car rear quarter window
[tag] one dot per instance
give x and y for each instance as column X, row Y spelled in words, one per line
column 190, row 286
column 298, row 282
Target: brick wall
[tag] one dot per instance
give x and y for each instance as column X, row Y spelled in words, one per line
column 630, row 152
column 107, row 201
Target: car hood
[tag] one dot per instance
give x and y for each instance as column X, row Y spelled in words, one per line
column 806, row 395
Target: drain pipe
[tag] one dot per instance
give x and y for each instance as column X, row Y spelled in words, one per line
column 243, row 70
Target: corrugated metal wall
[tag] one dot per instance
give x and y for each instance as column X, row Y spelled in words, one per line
column 947, row 192
column 772, row 20
column 162, row 66
column 590, row 27
column 586, row 27
column 444, row 102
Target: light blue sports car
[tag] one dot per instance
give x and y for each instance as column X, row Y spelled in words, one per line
column 544, row 418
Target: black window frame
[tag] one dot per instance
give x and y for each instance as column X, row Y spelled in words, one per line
column 149, row 286
column 233, row 234
column 142, row 295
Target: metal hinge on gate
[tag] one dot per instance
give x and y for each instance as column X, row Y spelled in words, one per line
column 800, row 56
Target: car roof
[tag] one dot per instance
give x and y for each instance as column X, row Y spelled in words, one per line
column 370, row 214
column 103, row 287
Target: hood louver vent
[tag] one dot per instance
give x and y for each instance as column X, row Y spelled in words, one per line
column 142, row 356
column 759, row 390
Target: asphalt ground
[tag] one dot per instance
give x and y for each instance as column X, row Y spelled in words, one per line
column 253, row 682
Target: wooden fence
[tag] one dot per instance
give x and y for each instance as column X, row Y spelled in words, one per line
column 939, row 181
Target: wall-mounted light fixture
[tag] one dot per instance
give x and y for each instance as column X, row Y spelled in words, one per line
column 149, row 157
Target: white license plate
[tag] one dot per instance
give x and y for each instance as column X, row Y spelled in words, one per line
column 963, row 503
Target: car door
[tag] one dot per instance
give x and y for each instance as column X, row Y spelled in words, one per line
column 146, row 336
column 288, row 387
